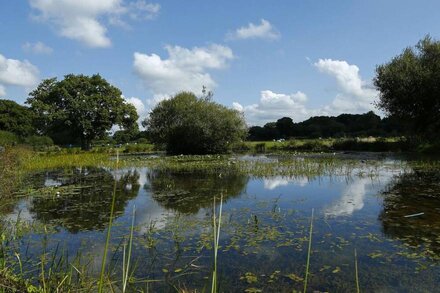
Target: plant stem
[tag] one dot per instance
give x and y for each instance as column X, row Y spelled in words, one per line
column 110, row 223
column 308, row 253
column 356, row 271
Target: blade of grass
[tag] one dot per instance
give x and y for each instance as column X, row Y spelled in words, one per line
column 216, row 242
column 308, row 253
column 356, row 271
column 130, row 245
column 110, row 223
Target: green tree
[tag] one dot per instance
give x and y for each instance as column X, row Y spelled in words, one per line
column 186, row 124
column 285, row 126
column 124, row 136
column 80, row 108
column 16, row 118
column 409, row 87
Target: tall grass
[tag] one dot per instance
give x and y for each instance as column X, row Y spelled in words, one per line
column 107, row 240
column 356, row 271
column 216, row 230
column 309, row 251
column 126, row 259
column 11, row 172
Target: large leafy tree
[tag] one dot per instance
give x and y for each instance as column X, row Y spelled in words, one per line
column 409, row 87
column 16, row 118
column 187, row 124
column 80, row 108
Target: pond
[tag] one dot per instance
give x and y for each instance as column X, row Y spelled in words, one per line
column 381, row 227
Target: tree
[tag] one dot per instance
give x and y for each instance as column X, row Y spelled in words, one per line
column 409, row 87
column 285, row 126
column 16, row 118
column 125, row 136
column 186, row 124
column 80, row 108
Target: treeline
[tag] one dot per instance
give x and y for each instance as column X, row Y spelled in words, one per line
column 344, row 125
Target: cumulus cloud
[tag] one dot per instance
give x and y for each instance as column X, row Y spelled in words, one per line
column 37, row 48
column 17, row 73
column 140, row 108
column 354, row 96
column 264, row 30
column 273, row 106
column 81, row 20
column 183, row 70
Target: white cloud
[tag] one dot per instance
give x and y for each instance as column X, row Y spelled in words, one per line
column 37, row 48
column 142, row 10
column 140, row 108
column 137, row 11
column 354, row 96
column 264, row 30
column 184, row 70
column 16, row 72
column 81, row 20
column 273, row 106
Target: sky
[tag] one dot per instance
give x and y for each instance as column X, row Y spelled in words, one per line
column 267, row 59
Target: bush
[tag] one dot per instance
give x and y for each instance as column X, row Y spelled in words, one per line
column 138, row 148
column 8, row 138
column 36, row 140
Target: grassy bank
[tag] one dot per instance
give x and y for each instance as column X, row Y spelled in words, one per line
column 327, row 145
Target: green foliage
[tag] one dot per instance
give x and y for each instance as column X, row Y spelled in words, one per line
column 186, row 124
column 8, row 138
column 344, row 125
column 409, row 90
column 138, row 148
column 38, row 141
column 80, row 108
column 124, row 136
column 16, row 118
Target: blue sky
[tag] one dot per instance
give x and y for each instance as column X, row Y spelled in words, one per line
column 268, row 59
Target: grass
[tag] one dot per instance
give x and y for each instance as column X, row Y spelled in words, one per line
column 326, row 145
column 107, row 239
column 126, row 260
column 356, row 271
column 309, row 251
column 11, row 172
column 216, row 233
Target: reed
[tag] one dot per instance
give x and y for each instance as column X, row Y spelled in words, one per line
column 356, row 271
column 309, row 251
column 107, row 240
column 126, row 260
column 216, row 230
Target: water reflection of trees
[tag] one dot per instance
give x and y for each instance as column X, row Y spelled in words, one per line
column 85, row 197
column 410, row 194
column 189, row 192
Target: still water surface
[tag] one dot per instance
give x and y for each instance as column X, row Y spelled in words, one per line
column 264, row 232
